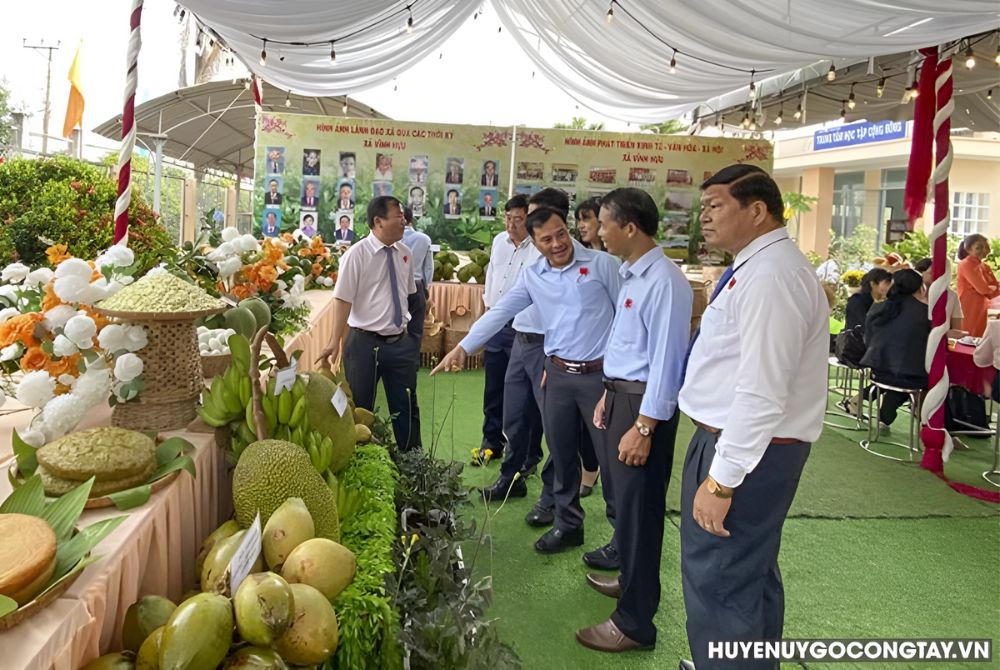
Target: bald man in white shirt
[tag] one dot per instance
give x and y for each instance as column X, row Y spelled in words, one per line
column 755, row 387
column 370, row 318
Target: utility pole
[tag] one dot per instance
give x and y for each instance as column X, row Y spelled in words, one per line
column 48, row 88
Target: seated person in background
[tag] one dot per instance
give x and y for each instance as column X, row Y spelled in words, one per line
column 874, row 286
column 953, row 315
column 987, row 352
column 896, row 332
column 976, row 284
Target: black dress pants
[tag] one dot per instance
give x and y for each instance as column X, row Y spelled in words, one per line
column 522, row 403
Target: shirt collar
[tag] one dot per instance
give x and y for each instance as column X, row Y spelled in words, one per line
column 640, row 266
column 581, row 254
column 376, row 243
column 758, row 244
column 526, row 241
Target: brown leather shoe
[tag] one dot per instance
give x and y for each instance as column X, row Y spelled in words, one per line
column 607, row 637
column 605, row 585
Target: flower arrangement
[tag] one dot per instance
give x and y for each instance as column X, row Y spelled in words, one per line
column 852, row 278
column 58, row 355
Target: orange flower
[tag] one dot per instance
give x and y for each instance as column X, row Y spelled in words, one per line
column 274, row 254
column 266, row 275
column 242, row 291
column 287, row 237
column 99, row 320
column 34, row 359
column 50, row 299
column 20, row 328
column 317, row 270
column 67, row 365
column 57, row 254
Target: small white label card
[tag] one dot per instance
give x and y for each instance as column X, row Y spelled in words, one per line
column 245, row 556
column 285, row 378
column 339, row 401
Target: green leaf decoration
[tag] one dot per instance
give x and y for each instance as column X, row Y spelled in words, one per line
column 69, row 553
column 136, row 496
column 179, row 463
column 27, row 499
column 7, row 605
column 27, row 463
column 83, row 563
column 171, row 449
column 64, row 512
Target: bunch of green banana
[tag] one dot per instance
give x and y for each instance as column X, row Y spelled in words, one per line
column 320, row 450
column 349, row 501
column 229, row 395
column 286, row 410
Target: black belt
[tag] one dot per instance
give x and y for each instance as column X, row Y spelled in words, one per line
column 530, row 338
column 623, row 386
column 388, row 339
column 578, row 367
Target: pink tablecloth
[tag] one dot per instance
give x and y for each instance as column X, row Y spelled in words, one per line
column 316, row 337
column 964, row 372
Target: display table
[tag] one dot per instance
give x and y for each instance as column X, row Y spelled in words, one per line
column 455, row 304
column 151, row 552
column 963, row 371
column 314, row 339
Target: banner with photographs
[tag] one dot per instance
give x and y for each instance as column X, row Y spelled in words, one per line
column 317, row 174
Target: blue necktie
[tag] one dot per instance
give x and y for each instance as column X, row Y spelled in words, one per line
column 723, row 280
column 390, row 268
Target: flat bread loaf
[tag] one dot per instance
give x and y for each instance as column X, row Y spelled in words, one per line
column 27, row 556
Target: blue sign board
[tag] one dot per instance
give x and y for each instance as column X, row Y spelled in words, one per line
column 863, row 132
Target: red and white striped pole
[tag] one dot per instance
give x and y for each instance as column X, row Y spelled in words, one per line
column 937, row 441
column 128, row 126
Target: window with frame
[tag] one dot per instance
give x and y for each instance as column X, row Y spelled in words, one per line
column 970, row 213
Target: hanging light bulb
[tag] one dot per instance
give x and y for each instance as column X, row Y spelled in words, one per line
column 753, row 125
column 970, row 58
column 288, row 99
column 409, row 24
column 610, row 16
column 344, row 108
column 333, row 53
column 880, row 89
column 673, row 62
column 989, row 94
column 831, row 74
column 753, row 86
column 263, row 54
column 996, row 59
column 745, row 123
column 718, row 121
column 914, row 92
column 851, row 104
column 843, row 111
column 779, row 118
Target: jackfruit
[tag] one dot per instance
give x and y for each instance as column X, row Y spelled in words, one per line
column 324, row 419
column 270, row 472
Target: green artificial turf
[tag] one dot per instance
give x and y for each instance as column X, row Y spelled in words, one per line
column 873, row 548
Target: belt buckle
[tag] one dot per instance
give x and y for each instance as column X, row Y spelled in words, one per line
column 574, row 368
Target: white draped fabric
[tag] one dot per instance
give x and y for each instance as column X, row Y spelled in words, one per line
column 620, row 69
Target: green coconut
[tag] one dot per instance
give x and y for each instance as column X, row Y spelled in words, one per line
column 325, row 565
column 142, row 618
column 264, row 607
column 313, row 637
column 198, row 633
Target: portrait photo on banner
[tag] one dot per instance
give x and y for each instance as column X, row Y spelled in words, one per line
column 348, row 165
column 345, row 194
column 452, row 203
column 307, row 223
column 381, row 188
column 488, row 203
column 275, row 160
column 310, row 162
column 344, row 233
column 490, row 174
column 273, row 192
column 416, row 199
column 270, row 225
column 310, row 193
column 418, row 169
column 455, row 172
column 383, row 167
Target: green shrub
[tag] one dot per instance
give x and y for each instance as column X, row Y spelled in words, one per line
column 70, row 202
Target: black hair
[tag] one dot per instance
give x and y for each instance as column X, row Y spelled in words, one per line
column 588, row 205
column 519, row 201
column 408, row 213
column 968, row 243
column 633, row 205
column 379, row 207
column 540, row 216
column 749, row 183
column 923, row 265
column 551, row 197
column 309, row 216
column 453, row 190
column 874, row 276
column 904, row 284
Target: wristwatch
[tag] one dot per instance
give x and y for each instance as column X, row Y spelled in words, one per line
column 717, row 489
column 643, row 429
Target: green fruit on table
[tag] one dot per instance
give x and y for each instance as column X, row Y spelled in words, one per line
column 289, row 526
column 323, row 418
column 325, row 565
column 198, row 634
column 142, row 618
column 122, row 660
column 214, row 572
column 228, row 529
column 254, row 658
column 264, row 608
column 314, row 636
column 148, row 657
column 242, row 320
column 259, row 309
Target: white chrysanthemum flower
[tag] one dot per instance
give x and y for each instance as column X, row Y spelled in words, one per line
column 58, row 316
column 137, row 338
column 113, row 338
column 15, row 273
column 39, row 277
column 128, row 367
column 118, row 255
column 229, row 267
column 63, row 346
column 160, row 269
column 36, row 389
column 33, row 436
column 247, row 243
column 67, row 380
column 222, row 252
column 93, row 386
column 11, row 352
column 230, row 233
column 70, row 288
column 74, row 267
column 81, row 329
column 8, row 293
column 94, row 292
column 61, row 415
column 8, row 313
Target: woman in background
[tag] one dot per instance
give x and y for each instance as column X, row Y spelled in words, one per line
column 976, row 284
column 896, row 333
column 953, row 315
column 874, row 287
column 586, row 222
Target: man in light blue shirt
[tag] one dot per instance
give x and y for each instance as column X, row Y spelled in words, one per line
column 423, row 271
column 638, row 412
column 575, row 289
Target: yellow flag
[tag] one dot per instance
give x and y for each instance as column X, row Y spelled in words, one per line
column 74, row 108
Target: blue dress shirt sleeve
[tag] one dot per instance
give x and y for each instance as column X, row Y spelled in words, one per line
column 668, row 322
column 510, row 304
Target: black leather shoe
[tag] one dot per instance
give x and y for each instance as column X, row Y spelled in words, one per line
column 499, row 490
column 557, row 540
column 604, row 558
column 686, row 665
column 540, row 516
column 529, row 470
column 608, row 586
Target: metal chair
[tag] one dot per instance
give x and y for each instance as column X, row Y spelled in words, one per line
column 841, row 378
column 874, row 405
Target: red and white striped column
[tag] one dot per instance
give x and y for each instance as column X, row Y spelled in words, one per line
column 128, row 126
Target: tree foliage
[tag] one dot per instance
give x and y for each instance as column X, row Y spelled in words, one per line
column 580, row 123
column 668, row 127
column 6, row 119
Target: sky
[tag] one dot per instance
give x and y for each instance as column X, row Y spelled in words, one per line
column 513, row 93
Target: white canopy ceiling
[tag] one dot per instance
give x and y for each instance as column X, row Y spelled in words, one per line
column 620, row 69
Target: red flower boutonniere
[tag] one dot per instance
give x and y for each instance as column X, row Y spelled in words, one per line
column 732, row 283
column 628, row 303
column 584, row 271
column 406, row 258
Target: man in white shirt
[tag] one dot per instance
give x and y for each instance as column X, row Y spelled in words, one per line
column 755, row 387
column 370, row 311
